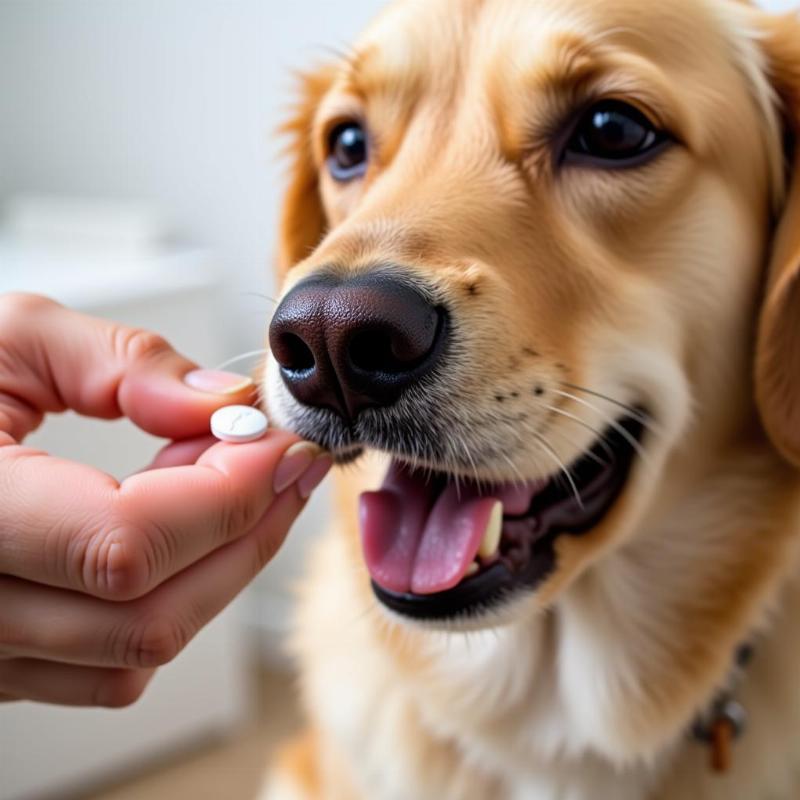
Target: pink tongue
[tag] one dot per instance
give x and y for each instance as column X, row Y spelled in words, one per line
column 415, row 541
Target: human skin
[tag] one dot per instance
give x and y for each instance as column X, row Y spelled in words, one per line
column 102, row 581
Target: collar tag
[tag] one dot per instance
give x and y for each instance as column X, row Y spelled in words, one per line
column 726, row 719
column 725, row 723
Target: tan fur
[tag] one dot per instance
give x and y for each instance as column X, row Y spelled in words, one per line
column 778, row 361
column 302, row 218
column 297, row 759
column 674, row 284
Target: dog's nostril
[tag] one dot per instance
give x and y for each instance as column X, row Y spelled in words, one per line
column 294, row 354
column 374, row 351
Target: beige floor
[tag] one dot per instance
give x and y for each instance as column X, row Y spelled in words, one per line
column 231, row 770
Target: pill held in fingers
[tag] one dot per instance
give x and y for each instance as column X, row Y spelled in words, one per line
column 238, row 424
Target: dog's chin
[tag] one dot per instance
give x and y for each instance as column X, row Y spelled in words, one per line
column 441, row 552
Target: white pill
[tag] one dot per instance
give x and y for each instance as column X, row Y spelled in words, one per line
column 238, row 424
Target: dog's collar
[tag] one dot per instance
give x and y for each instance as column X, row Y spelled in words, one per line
column 725, row 719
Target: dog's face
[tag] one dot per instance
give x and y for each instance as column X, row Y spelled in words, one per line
column 526, row 245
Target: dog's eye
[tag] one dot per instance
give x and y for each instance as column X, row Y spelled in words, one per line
column 613, row 133
column 347, row 146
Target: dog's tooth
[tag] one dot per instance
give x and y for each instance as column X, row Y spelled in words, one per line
column 473, row 569
column 494, row 528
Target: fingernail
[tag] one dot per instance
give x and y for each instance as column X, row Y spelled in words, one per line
column 215, row 381
column 296, row 460
column 314, row 475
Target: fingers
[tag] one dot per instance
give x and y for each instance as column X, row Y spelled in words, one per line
column 198, row 509
column 65, row 684
column 52, row 358
column 41, row 622
column 51, row 509
column 179, row 454
column 231, row 568
column 71, row 526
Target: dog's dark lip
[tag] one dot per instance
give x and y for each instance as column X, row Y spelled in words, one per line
column 528, row 554
column 344, row 457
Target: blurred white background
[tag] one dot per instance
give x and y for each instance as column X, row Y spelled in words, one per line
column 140, row 178
column 169, row 103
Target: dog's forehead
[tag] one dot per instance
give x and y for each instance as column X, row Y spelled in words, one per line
column 424, row 36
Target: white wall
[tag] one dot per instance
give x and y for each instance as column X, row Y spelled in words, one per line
column 168, row 101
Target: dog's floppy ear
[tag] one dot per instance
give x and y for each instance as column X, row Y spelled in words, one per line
column 777, row 367
column 302, row 220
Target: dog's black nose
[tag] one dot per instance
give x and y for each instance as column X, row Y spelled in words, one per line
column 354, row 343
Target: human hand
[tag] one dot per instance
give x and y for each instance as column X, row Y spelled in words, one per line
column 102, row 581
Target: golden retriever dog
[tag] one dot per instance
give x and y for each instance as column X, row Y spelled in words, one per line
column 541, row 300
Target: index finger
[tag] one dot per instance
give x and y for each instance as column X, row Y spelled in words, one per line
column 72, row 526
column 53, row 358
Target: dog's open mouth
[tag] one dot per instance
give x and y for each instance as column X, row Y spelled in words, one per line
column 437, row 547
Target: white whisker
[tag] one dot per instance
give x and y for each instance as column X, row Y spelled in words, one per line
column 242, row 357
column 468, row 455
column 601, row 437
column 520, row 479
column 633, row 412
column 554, row 455
column 588, row 454
column 611, row 421
column 260, row 297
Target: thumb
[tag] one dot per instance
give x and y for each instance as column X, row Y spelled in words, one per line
column 52, row 359
column 166, row 395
